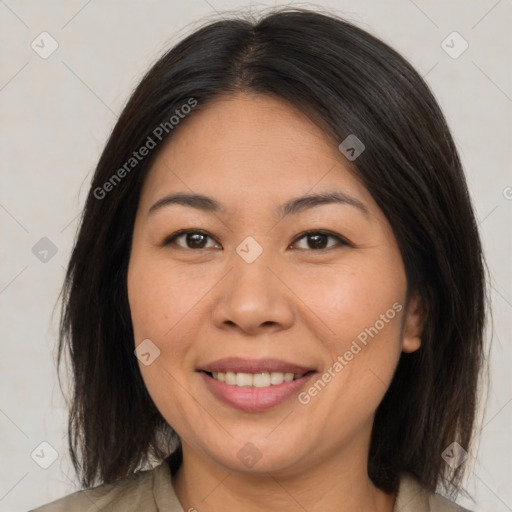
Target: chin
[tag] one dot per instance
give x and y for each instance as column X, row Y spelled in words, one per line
column 259, row 455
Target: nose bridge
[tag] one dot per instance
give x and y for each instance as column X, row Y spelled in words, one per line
column 253, row 278
column 251, row 295
column 252, row 281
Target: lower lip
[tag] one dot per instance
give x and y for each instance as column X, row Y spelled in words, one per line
column 253, row 399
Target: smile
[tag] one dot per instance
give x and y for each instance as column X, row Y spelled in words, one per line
column 254, row 385
column 256, row 380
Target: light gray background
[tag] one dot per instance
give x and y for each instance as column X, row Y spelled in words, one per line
column 56, row 114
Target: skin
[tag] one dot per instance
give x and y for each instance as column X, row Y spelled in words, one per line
column 295, row 302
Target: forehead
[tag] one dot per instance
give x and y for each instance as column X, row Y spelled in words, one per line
column 244, row 147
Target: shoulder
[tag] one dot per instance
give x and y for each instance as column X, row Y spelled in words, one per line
column 146, row 490
column 413, row 497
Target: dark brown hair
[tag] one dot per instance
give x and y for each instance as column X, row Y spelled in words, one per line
column 348, row 82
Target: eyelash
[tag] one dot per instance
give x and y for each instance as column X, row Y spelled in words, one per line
column 171, row 239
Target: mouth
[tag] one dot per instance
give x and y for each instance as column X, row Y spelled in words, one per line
column 254, row 385
column 254, row 380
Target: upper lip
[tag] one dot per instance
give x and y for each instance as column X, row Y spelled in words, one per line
column 241, row 365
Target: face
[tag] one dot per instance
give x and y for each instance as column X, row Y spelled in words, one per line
column 279, row 321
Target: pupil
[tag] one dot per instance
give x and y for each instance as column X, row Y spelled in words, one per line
column 318, row 241
column 196, row 240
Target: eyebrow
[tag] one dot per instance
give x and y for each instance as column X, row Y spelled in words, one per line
column 293, row 206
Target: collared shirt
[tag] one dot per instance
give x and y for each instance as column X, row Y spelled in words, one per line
column 152, row 491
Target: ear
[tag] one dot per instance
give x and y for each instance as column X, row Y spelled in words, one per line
column 413, row 326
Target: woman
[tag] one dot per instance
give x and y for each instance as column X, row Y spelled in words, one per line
column 275, row 299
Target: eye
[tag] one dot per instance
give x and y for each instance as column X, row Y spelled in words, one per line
column 190, row 239
column 312, row 240
column 319, row 240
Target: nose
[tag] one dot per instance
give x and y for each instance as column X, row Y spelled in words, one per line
column 253, row 300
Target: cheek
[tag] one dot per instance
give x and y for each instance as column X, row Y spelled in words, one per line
column 161, row 306
column 350, row 302
column 359, row 319
column 363, row 311
column 167, row 305
column 160, row 298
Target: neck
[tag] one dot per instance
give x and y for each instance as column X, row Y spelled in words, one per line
column 205, row 485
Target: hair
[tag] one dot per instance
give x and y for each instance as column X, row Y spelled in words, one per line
column 348, row 82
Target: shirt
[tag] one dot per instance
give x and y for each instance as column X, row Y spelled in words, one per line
column 152, row 491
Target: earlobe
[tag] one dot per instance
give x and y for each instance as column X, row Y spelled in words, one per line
column 413, row 326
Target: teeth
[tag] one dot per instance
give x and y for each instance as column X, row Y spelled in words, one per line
column 256, row 380
column 276, row 378
column 244, row 379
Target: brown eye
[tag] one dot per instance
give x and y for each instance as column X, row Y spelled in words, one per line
column 191, row 240
column 195, row 240
column 319, row 240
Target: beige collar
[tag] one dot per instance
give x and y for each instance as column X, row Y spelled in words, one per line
column 412, row 497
